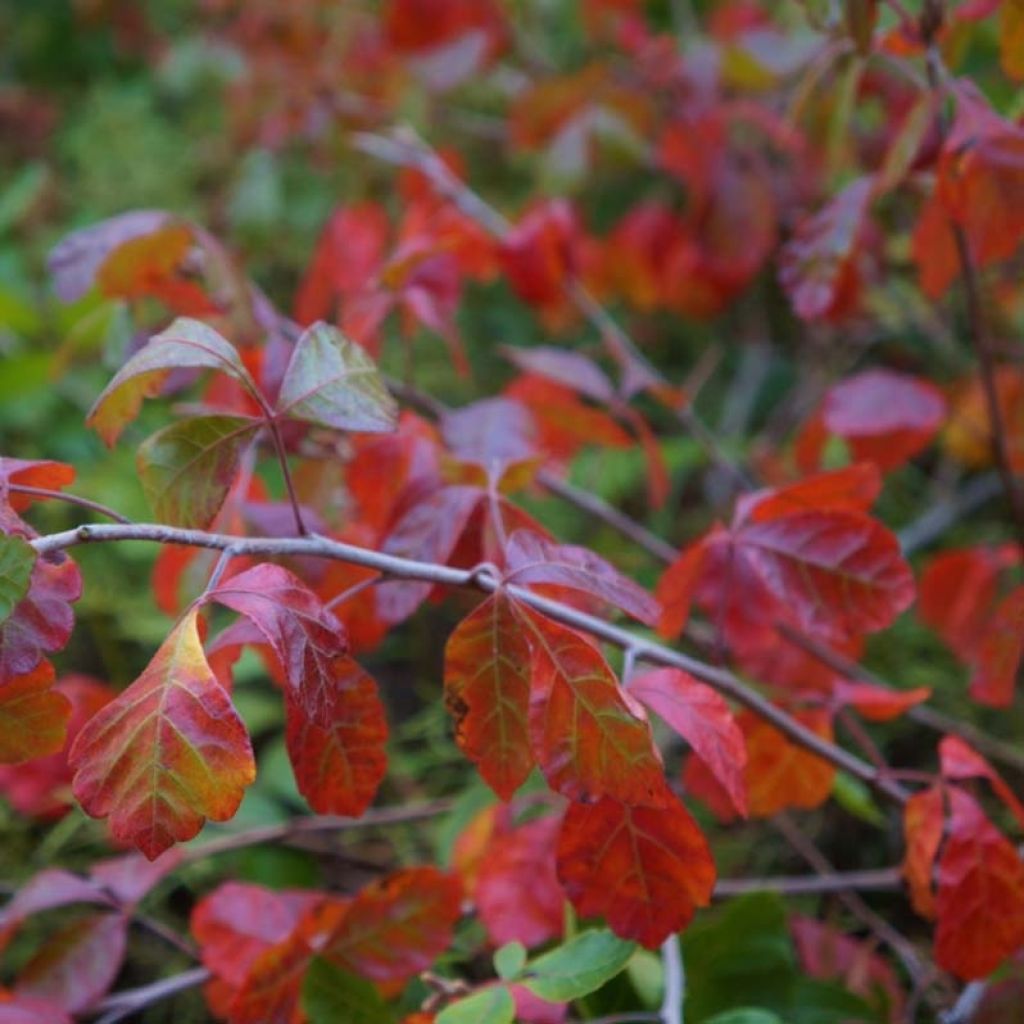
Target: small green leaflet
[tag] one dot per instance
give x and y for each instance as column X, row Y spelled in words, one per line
column 579, row 967
column 331, row 995
column 494, row 1005
column 745, row 1016
column 510, row 960
column 16, row 561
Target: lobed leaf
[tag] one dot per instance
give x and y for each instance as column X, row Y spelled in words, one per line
column 168, row 753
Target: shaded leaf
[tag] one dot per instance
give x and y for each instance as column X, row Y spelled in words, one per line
column 645, row 870
column 168, row 753
column 998, row 649
column 487, row 692
column 1011, row 38
column 922, row 830
column 781, row 774
column 33, row 715
column 186, row 344
column 188, row 468
column 331, row 995
column 590, row 739
column 397, row 926
column 980, row 902
column 17, row 559
column 332, row 382
column 77, row 965
column 703, row 719
column 578, row 967
column 959, row 762
column 531, row 559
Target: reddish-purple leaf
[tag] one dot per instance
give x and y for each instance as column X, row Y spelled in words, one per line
column 492, row 433
column 76, row 966
column 564, row 367
column 703, row 719
column 532, row 560
column 20, row 1009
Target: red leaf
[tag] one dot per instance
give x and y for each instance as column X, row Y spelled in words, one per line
column 878, row 703
column 922, row 828
column 272, row 986
column 33, row 716
column 643, row 869
column 885, row 417
column 703, row 719
column 840, row 573
column 958, row 591
column 46, row 475
column 532, row 560
column 980, row 902
column 562, row 366
column 960, row 762
column 589, row 737
column 20, row 1009
column 781, row 774
column 676, row 590
column 818, row 267
column 42, row 621
column 338, row 749
column 42, row 787
column 853, row 489
column 540, row 254
column 487, row 691
column 168, row 753
column 397, row 926
column 517, row 893
column 77, row 965
column 306, row 638
column 237, row 922
column 998, row 650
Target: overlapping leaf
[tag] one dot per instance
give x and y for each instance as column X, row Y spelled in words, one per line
column 590, row 739
column 170, row 752
column 487, row 691
column 645, row 870
column 33, row 715
column 188, row 468
column 703, row 719
column 332, row 382
column 186, row 344
column 17, row 559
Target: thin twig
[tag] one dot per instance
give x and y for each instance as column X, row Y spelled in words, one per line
column 675, row 981
column 131, row 1001
column 934, row 523
column 71, row 499
column 315, row 546
column 877, row 880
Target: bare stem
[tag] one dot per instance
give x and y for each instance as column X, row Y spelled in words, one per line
column 314, row 546
column 70, row 499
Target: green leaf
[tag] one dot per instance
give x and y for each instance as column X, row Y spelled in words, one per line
column 188, row 468
column 186, row 344
column 579, row 967
column 330, row 995
column 332, row 382
column 17, row 558
column 745, row 1016
column 510, row 960
column 494, row 1005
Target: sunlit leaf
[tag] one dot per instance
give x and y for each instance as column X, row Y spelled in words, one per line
column 168, row 753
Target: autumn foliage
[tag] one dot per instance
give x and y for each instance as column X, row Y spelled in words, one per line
column 670, row 472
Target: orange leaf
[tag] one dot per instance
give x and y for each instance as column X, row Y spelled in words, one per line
column 922, row 830
column 487, row 691
column 33, row 716
column 589, row 737
column 1011, row 38
column 645, row 870
column 781, row 774
column 168, row 753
